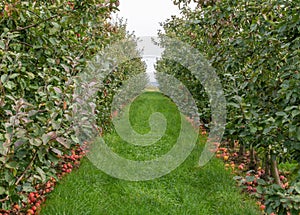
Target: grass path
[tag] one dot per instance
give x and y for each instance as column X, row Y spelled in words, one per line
column 186, row 190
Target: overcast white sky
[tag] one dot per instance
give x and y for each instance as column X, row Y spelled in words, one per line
column 144, row 16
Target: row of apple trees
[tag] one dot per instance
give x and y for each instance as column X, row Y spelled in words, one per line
column 254, row 47
column 44, row 46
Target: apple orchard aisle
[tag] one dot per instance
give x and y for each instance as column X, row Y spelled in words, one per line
column 186, row 190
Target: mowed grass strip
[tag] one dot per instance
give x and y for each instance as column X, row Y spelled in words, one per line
column 186, row 190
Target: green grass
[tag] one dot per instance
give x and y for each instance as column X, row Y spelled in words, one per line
column 186, row 190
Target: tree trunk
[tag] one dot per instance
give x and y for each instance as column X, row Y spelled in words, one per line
column 274, row 170
column 267, row 165
column 242, row 150
column 252, row 164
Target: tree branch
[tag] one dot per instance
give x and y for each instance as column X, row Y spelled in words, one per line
column 5, row 199
column 23, row 43
column 33, row 25
column 27, row 168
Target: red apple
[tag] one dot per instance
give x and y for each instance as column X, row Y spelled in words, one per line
column 17, row 207
column 262, row 207
column 30, row 211
column 241, row 167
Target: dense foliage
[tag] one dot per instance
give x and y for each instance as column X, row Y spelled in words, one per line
column 43, row 46
column 255, row 48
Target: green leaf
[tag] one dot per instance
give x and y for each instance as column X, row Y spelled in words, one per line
column 237, row 177
column 260, row 189
column 66, row 68
column 297, row 187
column 10, row 85
column 295, row 113
column 290, row 108
column 11, row 165
column 195, row 22
column 56, row 151
column 45, row 139
column 267, row 130
column 63, row 142
column 238, row 98
column 53, row 159
column 75, row 139
column 2, row 190
column 30, row 75
column 56, row 25
column 281, row 113
column 27, row 187
column 250, row 178
column 14, row 75
column 51, row 60
column 13, row 35
column 53, row 42
column 36, row 142
column 261, row 181
column 3, row 78
column 41, row 173
column 2, row 44
column 253, row 129
column 57, row 90
column 233, row 104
